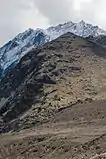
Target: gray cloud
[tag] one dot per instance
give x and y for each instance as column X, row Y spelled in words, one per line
column 56, row 11
column 18, row 15
column 10, row 19
column 93, row 11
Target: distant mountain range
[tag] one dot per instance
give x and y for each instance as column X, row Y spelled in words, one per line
column 14, row 50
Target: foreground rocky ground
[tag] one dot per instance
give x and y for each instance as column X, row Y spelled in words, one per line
column 76, row 132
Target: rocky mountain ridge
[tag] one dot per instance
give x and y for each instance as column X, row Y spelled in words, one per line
column 14, row 50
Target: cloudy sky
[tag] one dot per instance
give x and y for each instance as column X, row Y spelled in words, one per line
column 18, row 15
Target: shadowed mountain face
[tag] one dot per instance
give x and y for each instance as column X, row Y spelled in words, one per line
column 63, row 72
column 101, row 39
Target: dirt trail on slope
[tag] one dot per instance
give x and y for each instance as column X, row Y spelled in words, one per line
column 77, row 132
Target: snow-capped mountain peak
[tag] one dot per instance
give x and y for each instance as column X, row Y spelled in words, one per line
column 15, row 49
column 81, row 29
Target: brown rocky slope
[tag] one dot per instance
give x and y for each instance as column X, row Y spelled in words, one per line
column 61, row 73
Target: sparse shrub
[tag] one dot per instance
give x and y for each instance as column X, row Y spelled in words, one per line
column 56, row 97
column 39, row 109
column 79, row 101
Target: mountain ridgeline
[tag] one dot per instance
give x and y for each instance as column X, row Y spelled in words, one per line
column 14, row 50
